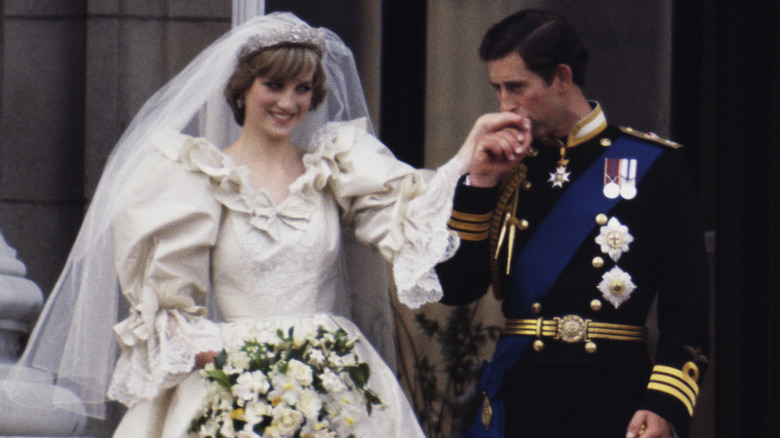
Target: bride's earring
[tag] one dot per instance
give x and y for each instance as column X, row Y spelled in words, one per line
column 240, row 102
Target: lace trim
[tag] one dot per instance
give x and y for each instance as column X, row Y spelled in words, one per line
column 165, row 359
column 428, row 239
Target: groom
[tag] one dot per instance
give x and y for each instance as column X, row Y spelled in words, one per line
column 578, row 238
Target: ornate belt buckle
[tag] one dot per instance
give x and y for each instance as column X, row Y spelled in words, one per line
column 572, row 328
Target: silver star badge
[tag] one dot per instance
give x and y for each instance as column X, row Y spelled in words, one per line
column 616, row 286
column 559, row 177
column 614, row 239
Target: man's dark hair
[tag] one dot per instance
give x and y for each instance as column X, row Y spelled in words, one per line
column 543, row 39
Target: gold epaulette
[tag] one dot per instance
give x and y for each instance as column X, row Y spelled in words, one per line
column 651, row 137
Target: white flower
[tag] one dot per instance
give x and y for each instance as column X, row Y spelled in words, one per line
column 299, row 339
column 332, row 382
column 301, row 372
column 254, row 411
column 286, row 392
column 239, row 360
column 318, row 430
column 249, row 385
column 316, row 357
column 335, row 360
column 309, row 403
column 227, row 429
column 247, row 432
column 614, row 239
column 273, row 432
column 328, row 337
column 287, row 421
column 209, row 429
column 231, row 370
column 284, row 386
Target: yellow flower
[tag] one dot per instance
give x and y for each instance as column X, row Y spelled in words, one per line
column 238, row 414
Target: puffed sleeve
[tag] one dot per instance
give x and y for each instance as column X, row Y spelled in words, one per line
column 401, row 211
column 164, row 233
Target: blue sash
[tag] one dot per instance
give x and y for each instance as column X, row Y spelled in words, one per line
column 545, row 256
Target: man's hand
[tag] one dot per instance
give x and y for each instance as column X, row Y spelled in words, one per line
column 495, row 145
column 647, row 424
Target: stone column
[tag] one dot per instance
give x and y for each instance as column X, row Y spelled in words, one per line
column 32, row 390
column 20, row 302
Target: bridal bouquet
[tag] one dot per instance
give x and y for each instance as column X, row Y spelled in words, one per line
column 311, row 386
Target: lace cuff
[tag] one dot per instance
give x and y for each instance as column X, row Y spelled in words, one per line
column 428, row 241
column 164, row 359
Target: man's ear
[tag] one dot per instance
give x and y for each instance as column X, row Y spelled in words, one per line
column 562, row 78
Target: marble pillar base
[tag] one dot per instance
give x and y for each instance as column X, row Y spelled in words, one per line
column 33, row 413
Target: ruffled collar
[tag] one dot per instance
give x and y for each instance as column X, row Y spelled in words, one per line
column 329, row 154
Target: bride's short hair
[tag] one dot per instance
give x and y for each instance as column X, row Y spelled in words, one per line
column 280, row 62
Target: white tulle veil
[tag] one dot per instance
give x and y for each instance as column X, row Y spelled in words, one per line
column 73, row 339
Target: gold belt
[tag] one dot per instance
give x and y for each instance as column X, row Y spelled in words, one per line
column 573, row 329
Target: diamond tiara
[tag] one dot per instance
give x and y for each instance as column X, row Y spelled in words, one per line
column 296, row 34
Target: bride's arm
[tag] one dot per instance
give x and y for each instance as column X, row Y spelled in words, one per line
column 163, row 238
column 401, row 211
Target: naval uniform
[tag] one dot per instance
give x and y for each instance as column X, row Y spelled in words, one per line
column 590, row 230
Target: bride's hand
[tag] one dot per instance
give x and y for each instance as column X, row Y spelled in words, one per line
column 495, row 145
column 204, row 358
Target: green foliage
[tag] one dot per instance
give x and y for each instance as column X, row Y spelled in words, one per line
column 446, row 375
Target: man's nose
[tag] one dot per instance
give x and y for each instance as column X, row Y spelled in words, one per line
column 506, row 102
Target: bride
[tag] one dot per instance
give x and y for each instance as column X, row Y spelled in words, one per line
column 235, row 201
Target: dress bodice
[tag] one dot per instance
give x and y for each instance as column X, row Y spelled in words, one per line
column 299, row 272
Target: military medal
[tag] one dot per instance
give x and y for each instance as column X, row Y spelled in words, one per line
column 561, row 174
column 628, row 178
column 611, row 175
column 620, row 178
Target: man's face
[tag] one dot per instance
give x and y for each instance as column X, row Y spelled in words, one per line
column 524, row 92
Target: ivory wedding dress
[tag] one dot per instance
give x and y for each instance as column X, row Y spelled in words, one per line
column 192, row 231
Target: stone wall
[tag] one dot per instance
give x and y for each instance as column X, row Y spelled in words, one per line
column 74, row 74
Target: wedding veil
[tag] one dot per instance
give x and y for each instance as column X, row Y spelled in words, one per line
column 73, row 339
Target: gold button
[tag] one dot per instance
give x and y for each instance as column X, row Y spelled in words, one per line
column 606, row 142
column 598, row 262
column 601, row 219
column 595, row 305
column 522, row 224
column 526, row 185
column 533, row 152
column 590, row 347
column 536, row 307
column 538, row 345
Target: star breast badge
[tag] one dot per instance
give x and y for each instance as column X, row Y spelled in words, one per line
column 616, row 286
column 614, row 239
column 559, row 177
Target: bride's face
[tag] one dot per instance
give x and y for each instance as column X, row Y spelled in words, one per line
column 277, row 106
